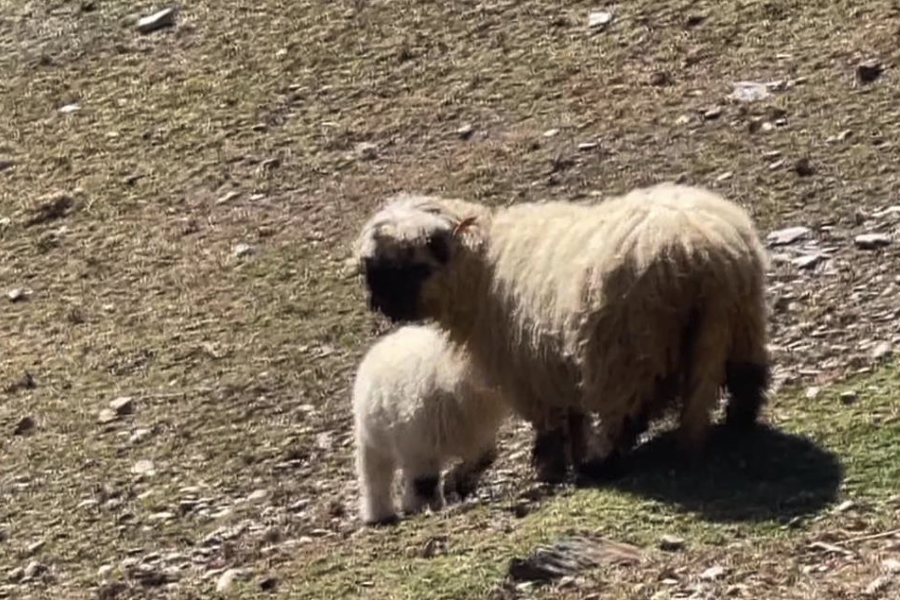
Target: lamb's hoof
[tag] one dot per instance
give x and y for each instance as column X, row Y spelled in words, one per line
column 386, row 521
column 601, row 469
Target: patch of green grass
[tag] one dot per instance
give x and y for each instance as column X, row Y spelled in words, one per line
column 757, row 489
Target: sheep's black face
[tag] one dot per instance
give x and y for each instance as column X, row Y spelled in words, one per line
column 394, row 289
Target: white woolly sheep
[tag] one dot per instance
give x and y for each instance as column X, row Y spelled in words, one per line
column 418, row 403
column 617, row 308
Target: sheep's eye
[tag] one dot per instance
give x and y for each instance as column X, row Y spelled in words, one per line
column 439, row 249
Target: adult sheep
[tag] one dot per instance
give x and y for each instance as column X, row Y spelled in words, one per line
column 417, row 403
column 617, row 308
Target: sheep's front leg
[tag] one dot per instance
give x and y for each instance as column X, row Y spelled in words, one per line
column 548, row 454
column 619, row 434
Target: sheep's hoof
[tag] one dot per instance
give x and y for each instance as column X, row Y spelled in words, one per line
column 602, row 469
column 382, row 521
column 548, row 457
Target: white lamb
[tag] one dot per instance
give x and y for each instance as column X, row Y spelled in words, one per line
column 615, row 309
column 418, row 403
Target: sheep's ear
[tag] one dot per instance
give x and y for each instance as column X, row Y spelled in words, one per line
column 463, row 225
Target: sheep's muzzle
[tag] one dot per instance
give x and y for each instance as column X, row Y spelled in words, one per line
column 394, row 290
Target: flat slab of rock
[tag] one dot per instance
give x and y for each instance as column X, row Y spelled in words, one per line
column 871, row 241
column 571, row 556
column 158, row 20
column 789, row 235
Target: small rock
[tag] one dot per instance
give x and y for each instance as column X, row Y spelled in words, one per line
column 158, row 20
column 713, row 573
column 891, row 565
column 599, row 18
column 227, row 579
column 849, row 397
column 812, row 392
column 871, row 241
column 144, row 467
column 671, row 543
column 869, row 70
column 228, row 197
column 69, row 109
column 882, row 351
column 878, row 585
column 465, row 132
column 804, row 168
column 845, row 506
column 107, row 415
column 585, row 146
column 15, row 575
column 257, row 495
column 122, row 406
column 325, row 441
column 138, row 434
column 712, row 113
column 725, row 176
column 242, row 249
column 749, row 91
column 660, row 78
column 6, row 163
column 17, row 295
column 269, row 584
column 104, row 571
column 34, row 547
column 783, row 237
column 550, row 133
column 807, row 261
column 367, row 150
column 161, row 516
column 24, row 426
column 34, row 569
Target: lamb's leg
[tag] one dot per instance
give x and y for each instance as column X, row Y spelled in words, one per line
column 548, row 454
column 463, row 479
column 421, row 486
column 376, row 475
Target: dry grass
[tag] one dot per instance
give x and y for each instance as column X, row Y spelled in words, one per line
column 281, row 125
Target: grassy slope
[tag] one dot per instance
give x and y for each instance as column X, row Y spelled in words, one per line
column 240, row 364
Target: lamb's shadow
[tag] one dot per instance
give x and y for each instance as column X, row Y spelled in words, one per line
column 763, row 474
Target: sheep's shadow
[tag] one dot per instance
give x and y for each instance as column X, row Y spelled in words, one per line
column 762, row 474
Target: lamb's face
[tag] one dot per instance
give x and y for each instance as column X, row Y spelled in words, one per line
column 401, row 250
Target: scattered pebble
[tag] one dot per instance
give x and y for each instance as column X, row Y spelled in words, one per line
column 550, row 133
column 139, row 434
column 107, row 415
column 804, row 168
column 123, row 405
column 227, row 579
column 713, row 573
column 845, row 506
column 812, row 392
column 783, row 237
column 749, row 91
column 144, row 467
column 17, row 295
column 24, row 426
column 869, row 70
column 367, row 150
column 69, row 109
column 585, row 146
column 257, row 495
column 104, row 571
column 712, row 113
column 465, row 132
column 871, row 241
column 808, row 261
column 242, row 249
column 161, row 516
column 848, row 397
column 6, row 163
column 671, row 543
column 881, row 351
column 158, row 20
column 599, row 18
column 891, row 565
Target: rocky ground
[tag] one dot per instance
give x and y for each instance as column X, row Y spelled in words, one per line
column 178, row 190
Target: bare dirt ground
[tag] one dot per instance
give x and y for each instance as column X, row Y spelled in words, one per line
column 176, row 208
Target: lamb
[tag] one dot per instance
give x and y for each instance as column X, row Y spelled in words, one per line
column 615, row 309
column 418, row 403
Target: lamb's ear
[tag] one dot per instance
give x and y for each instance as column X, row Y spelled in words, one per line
column 463, row 225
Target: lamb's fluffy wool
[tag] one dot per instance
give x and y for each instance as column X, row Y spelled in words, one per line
column 417, row 404
column 614, row 308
